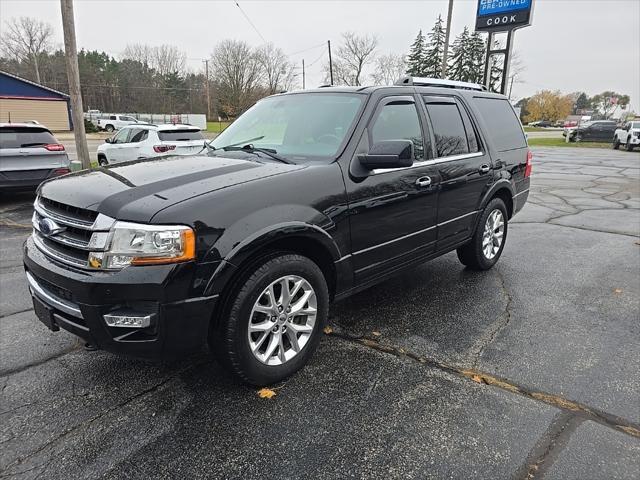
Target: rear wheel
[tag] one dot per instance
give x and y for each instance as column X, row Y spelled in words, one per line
column 487, row 243
column 273, row 320
column 616, row 143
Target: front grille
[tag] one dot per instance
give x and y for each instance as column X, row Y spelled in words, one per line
column 81, row 231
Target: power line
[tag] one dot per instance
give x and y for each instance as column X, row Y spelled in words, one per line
column 250, row 22
column 305, row 50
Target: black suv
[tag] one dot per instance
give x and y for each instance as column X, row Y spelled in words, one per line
column 305, row 199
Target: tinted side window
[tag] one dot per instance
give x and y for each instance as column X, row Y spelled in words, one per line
column 451, row 137
column 138, row 136
column 472, row 139
column 398, row 121
column 112, row 117
column 502, row 123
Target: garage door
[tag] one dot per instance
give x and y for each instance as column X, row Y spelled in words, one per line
column 50, row 113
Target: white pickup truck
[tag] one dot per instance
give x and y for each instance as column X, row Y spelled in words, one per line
column 114, row 122
column 628, row 135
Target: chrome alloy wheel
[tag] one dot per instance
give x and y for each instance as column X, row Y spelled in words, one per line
column 493, row 234
column 282, row 320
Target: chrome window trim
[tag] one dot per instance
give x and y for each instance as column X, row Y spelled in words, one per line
column 425, row 163
column 410, row 234
column 52, row 299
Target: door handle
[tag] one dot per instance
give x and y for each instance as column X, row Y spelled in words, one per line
column 423, row 182
column 484, row 168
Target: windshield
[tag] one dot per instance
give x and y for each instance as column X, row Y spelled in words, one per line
column 17, row 137
column 301, row 127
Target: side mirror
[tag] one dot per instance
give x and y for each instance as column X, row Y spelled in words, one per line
column 388, row 154
column 108, row 140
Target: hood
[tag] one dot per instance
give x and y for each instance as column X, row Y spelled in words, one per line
column 135, row 191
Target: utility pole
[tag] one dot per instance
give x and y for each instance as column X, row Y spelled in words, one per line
column 73, row 76
column 303, row 76
column 446, row 41
column 206, row 86
column 330, row 62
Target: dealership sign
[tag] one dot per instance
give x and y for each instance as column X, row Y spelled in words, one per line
column 503, row 15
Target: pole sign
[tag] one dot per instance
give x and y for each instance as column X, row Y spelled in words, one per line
column 503, row 15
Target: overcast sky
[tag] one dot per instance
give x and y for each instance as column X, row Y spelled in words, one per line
column 573, row 45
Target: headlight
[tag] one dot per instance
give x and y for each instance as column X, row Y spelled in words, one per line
column 138, row 244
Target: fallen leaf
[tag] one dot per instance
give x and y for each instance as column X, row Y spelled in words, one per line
column 328, row 330
column 376, row 334
column 477, row 378
column 617, row 291
column 266, row 393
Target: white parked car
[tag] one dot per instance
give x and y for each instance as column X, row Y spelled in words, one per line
column 144, row 140
column 628, row 135
column 111, row 123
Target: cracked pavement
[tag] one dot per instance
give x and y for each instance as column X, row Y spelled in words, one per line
column 529, row 370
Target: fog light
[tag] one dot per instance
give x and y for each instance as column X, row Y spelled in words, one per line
column 128, row 319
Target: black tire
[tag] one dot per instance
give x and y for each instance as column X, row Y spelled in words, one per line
column 629, row 145
column 109, row 128
column 229, row 340
column 102, row 161
column 616, row 143
column 472, row 254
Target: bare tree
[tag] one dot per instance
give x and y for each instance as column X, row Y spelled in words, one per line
column 26, row 39
column 389, row 68
column 164, row 59
column 276, row 67
column 355, row 53
column 238, row 74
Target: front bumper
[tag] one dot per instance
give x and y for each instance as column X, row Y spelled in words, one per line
column 78, row 300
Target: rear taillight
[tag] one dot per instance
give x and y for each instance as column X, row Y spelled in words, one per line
column 54, row 147
column 61, row 171
column 528, row 166
column 163, row 148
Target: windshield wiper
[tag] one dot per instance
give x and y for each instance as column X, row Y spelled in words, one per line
column 249, row 148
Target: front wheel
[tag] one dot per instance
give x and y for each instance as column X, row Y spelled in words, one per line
column 102, row 161
column 629, row 145
column 616, row 143
column 109, row 128
column 487, row 243
column 273, row 320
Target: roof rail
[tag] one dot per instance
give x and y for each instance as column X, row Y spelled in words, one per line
column 438, row 82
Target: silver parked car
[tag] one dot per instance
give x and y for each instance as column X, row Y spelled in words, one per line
column 29, row 155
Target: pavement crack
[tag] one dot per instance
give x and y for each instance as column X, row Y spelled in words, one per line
column 16, row 313
column 590, row 413
column 22, row 368
column 496, row 326
column 106, row 412
column 549, row 446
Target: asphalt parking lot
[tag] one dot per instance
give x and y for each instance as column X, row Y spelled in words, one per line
column 527, row 371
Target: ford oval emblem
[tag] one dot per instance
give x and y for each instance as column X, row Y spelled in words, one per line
column 48, row 227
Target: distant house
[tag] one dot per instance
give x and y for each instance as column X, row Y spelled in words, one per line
column 22, row 100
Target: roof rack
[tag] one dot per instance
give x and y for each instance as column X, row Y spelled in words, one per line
column 438, row 82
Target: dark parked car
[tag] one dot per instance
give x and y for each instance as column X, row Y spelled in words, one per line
column 305, row 199
column 598, row 131
column 29, row 154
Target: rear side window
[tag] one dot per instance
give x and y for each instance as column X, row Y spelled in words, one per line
column 502, row 123
column 451, row 137
column 180, row 135
column 22, row 137
column 139, row 136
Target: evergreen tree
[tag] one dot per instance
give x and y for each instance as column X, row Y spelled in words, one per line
column 415, row 59
column 460, row 62
column 432, row 66
column 496, row 68
column 477, row 53
column 582, row 103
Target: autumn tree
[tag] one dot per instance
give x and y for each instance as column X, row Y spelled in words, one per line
column 548, row 105
column 26, row 39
